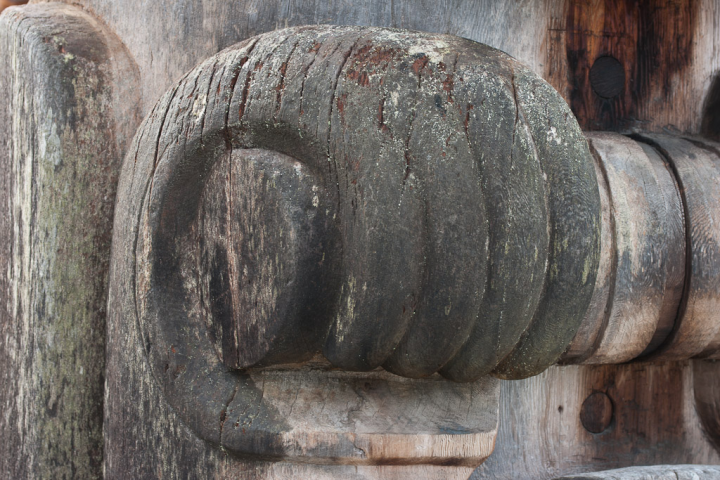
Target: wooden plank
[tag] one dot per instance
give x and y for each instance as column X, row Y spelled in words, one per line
column 201, row 29
column 364, row 419
column 706, row 398
column 554, row 39
column 663, row 51
column 67, row 112
column 654, row 421
column 656, row 472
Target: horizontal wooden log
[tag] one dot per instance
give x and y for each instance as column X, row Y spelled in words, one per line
column 639, row 297
column 68, row 109
column 664, row 269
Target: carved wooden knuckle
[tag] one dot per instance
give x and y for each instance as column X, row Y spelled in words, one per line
column 418, row 202
column 392, row 199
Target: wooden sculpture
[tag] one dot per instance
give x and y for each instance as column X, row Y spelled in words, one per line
column 358, row 251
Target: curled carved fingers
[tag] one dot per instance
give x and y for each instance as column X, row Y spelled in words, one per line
column 418, row 202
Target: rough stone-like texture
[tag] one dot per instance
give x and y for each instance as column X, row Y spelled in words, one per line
column 63, row 131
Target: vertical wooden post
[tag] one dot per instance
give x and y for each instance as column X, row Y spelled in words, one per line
column 67, row 110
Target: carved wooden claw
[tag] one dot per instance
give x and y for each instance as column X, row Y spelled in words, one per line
column 387, row 198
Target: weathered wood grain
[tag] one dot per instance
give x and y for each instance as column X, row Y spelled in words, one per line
column 706, row 388
column 180, row 34
column 574, row 230
column 656, row 472
column 217, row 117
column 510, row 300
column 647, row 270
column 675, row 244
column 63, row 134
column 696, row 171
column 712, row 350
column 595, row 316
column 201, row 29
column 258, row 228
column 363, row 419
column 654, row 422
column 666, row 47
column 662, row 48
column 265, row 243
column 10, row 3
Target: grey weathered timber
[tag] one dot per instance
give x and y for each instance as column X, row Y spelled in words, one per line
column 63, row 132
column 266, row 221
column 263, row 294
column 654, row 421
column 697, row 170
column 181, row 34
column 707, row 398
column 640, row 294
column 262, row 221
column 574, row 229
column 401, row 267
column 665, row 47
column 656, row 472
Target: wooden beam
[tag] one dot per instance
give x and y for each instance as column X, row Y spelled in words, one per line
column 64, row 129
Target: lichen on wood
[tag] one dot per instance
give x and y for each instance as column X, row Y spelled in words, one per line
column 62, row 144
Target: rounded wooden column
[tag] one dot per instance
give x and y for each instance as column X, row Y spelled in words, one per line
column 638, row 291
column 656, row 297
